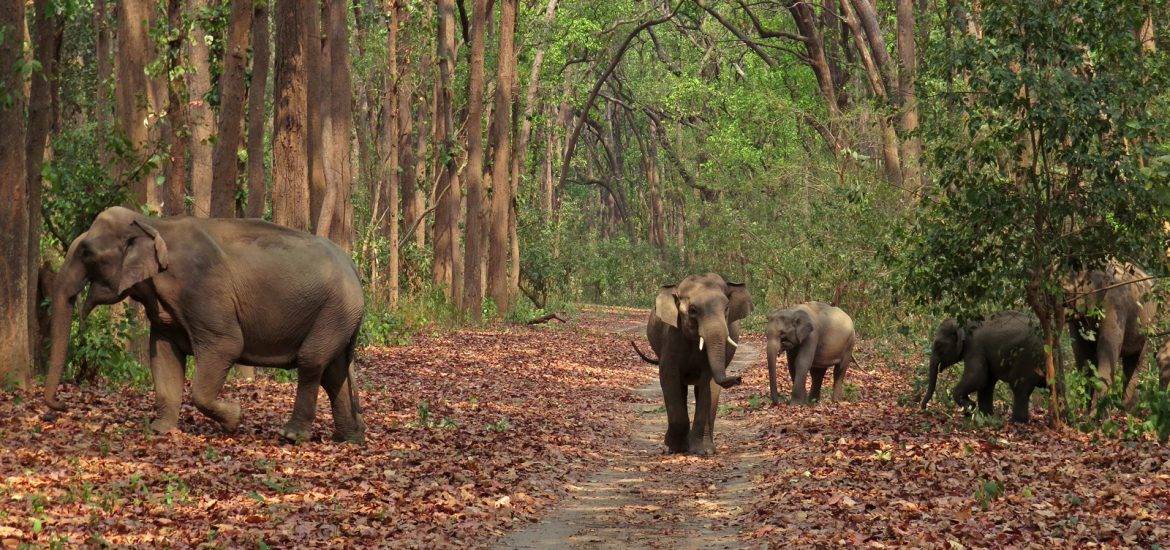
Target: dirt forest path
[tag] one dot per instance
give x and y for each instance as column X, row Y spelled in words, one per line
column 646, row 499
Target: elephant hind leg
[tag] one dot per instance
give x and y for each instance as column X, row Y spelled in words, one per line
column 341, row 388
column 1130, row 364
column 974, row 379
column 987, row 398
column 839, row 371
column 321, row 348
column 1021, row 397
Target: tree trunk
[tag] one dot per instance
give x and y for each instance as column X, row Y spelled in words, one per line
column 101, row 96
column 290, row 168
column 135, row 50
column 891, row 158
column 530, row 103
column 257, row 92
column 15, row 343
column 172, row 197
column 46, row 37
column 336, row 213
column 498, row 249
column 473, row 260
column 225, row 166
column 396, row 143
column 317, row 67
column 447, row 192
column 912, row 175
column 202, row 117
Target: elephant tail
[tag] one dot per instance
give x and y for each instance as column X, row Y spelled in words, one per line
column 643, row 355
column 349, row 375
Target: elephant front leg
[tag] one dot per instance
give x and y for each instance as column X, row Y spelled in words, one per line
column 166, row 367
column 674, row 396
column 702, row 439
column 211, row 370
column 818, row 379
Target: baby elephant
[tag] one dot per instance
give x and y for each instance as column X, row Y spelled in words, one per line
column 815, row 336
column 1006, row 346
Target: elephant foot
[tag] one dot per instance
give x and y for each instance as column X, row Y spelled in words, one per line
column 295, row 432
column 231, row 416
column 676, row 443
column 164, row 425
column 351, row 434
column 702, row 447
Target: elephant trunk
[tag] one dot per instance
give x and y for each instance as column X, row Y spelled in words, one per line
column 773, row 351
column 932, row 379
column 716, row 336
column 69, row 285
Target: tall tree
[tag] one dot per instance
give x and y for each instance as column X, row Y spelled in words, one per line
column 47, row 30
column 317, row 89
column 398, row 142
column 290, row 167
column 336, row 215
column 912, row 174
column 225, row 166
column 257, row 92
column 172, row 197
column 473, row 238
column 15, row 344
column 499, row 280
column 448, row 194
column 132, row 91
column 202, row 118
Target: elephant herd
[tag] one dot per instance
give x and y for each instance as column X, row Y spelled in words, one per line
column 246, row 292
column 694, row 328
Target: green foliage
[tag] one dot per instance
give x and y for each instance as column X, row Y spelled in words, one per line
column 986, row 491
column 80, row 186
column 101, row 348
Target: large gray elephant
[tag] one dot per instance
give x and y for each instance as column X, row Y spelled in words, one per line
column 1107, row 323
column 1006, row 346
column 815, row 336
column 693, row 329
column 225, row 291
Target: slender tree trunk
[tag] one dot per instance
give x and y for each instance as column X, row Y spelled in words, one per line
column 546, row 179
column 257, row 92
column 447, row 192
column 225, row 167
column 318, row 88
column 891, row 158
column 912, row 174
column 46, row 37
column 498, row 250
column 15, row 342
column 472, row 291
column 172, row 197
column 134, row 51
column 530, row 103
column 290, row 169
column 396, row 142
column 336, row 215
column 104, row 69
column 202, row 117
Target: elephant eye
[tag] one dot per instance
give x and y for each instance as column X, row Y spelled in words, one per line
column 693, row 310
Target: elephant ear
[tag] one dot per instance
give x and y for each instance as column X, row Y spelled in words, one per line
column 666, row 305
column 145, row 257
column 804, row 325
column 739, row 302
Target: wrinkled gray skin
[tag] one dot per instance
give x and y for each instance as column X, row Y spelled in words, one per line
column 1006, row 346
column 699, row 306
column 814, row 336
column 226, row 291
column 1108, row 327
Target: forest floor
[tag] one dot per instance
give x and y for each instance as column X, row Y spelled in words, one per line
column 551, row 437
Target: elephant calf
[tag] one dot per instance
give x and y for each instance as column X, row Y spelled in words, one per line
column 1006, row 346
column 693, row 328
column 815, row 336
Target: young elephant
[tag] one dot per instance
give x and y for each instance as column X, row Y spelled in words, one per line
column 693, row 328
column 1006, row 346
column 815, row 336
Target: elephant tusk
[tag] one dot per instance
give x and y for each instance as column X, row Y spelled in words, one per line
column 732, row 342
column 700, row 343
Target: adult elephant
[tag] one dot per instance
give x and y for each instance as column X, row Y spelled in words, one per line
column 225, row 291
column 814, row 336
column 1006, row 346
column 693, row 329
column 1107, row 323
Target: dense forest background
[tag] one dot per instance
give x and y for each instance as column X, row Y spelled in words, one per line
column 487, row 159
